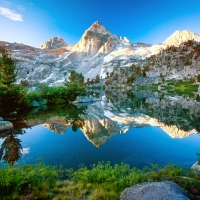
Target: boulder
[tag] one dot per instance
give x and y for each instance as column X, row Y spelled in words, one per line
column 80, row 99
column 35, row 104
column 13, row 113
column 196, row 166
column 155, row 191
column 5, row 125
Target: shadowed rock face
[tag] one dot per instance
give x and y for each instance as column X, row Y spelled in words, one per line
column 53, row 43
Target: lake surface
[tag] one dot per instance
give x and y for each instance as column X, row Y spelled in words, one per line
column 139, row 129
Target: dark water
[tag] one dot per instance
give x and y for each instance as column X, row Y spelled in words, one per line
column 113, row 130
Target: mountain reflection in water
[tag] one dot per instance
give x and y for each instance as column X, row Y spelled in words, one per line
column 179, row 117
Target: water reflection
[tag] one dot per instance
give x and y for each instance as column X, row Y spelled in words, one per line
column 11, row 148
column 179, row 111
column 179, row 117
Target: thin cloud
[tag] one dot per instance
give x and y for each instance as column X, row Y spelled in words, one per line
column 19, row 7
column 6, row 2
column 11, row 14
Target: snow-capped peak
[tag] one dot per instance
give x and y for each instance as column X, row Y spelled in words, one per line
column 179, row 37
column 97, row 27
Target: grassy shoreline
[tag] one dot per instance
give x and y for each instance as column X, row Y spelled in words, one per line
column 101, row 181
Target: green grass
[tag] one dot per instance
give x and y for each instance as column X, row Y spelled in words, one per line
column 101, row 181
column 104, row 181
column 27, row 181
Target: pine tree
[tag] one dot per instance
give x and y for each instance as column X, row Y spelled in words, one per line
column 76, row 78
column 8, row 72
column 97, row 78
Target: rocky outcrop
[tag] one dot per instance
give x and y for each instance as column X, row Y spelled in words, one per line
column 155, row 191
column 53, row 43
column 5, row 125
column 179, row 37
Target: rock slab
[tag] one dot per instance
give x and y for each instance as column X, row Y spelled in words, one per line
column 154, row 191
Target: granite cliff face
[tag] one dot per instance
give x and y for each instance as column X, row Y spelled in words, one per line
column 96, row 40
column 53, row 43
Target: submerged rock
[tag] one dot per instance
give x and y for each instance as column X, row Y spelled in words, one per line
column 156, row 191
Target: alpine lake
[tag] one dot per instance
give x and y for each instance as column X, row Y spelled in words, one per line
column 139, row 128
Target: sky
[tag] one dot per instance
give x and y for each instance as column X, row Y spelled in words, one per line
column 32, row 22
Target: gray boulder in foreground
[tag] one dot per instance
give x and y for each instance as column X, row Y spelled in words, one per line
column 166, row 190
column 5, row 125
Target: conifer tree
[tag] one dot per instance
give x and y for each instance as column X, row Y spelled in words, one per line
column 8, row 72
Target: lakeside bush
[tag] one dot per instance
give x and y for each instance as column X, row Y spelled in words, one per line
column 27, row 181
column 55, row 94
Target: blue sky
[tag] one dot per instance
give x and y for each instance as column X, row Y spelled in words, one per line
column 150, row 21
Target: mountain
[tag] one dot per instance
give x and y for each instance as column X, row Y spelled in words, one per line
column 96, row 40
column 53, row 43
column 101, row 52
column 179, row 37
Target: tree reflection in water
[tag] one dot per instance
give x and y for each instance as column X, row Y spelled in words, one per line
column 11, row 148
column 74, row 116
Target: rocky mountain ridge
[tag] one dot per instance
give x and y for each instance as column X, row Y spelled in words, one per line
column 97, row 52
